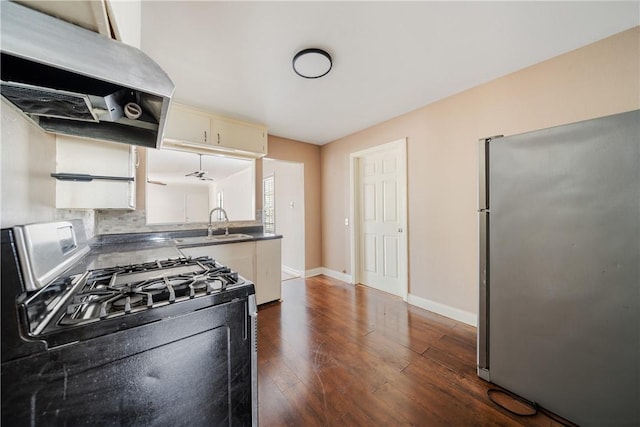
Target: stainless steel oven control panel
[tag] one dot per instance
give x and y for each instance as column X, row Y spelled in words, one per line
column 47, row 249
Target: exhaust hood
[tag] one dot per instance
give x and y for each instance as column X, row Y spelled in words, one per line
column 73, row 81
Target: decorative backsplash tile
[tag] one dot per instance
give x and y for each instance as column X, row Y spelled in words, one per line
column 87, row 216
column 115, row 221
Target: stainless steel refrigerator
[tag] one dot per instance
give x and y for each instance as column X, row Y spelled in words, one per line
column 559, row 315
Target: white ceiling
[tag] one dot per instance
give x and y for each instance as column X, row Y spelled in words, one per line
column 389, row 58
column 170, row 166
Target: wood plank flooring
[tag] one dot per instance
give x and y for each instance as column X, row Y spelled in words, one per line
column 334, row 354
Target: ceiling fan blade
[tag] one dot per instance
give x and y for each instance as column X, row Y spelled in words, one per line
column 200, row 174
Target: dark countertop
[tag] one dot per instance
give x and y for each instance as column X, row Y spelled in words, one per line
column 108, row 250
column 256, row 232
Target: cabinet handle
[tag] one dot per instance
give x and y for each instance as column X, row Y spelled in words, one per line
column 137, row 158
column 205, row 136
column 81, row 177
column 218, row 138
column 132, row 194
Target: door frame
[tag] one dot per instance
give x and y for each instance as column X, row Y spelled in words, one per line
column 354, row 208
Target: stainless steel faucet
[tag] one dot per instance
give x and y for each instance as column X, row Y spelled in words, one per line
column 210, row 229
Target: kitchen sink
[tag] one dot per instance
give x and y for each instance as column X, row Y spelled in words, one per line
column 230, row 236
column 211, row 239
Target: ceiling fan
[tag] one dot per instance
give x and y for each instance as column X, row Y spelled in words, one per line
column 200, row 174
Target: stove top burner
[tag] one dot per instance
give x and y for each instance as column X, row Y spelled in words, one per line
column 121, row 290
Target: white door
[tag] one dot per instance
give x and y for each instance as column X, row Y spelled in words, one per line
column 381, row 187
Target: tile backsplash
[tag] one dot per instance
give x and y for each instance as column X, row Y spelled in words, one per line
column 114, row 221
column 87, row 216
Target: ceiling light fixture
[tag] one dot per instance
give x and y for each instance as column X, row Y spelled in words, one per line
column 312, row 63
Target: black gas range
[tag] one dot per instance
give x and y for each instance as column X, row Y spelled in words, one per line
column 163, row 342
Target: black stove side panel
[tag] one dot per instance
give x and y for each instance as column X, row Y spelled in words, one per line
column 190, row 370
column 13, row 346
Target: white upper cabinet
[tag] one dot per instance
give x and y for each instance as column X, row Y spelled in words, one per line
column 188, row 125
column 95, row 174
column 89, row 14
column 126, row 20
column 206, row 132
column 241, row 136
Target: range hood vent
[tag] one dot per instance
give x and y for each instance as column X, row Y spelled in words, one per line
column 76, row 82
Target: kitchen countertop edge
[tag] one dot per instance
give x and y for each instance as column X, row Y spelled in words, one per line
column 167, row 238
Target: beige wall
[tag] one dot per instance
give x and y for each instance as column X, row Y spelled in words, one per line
column 289, row 211
column 594, row 81
column 309, row 155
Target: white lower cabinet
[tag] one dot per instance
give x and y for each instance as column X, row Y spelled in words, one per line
column 269, row 269
column 258, row 261
column 239, row 256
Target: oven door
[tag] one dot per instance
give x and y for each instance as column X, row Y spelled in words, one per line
column 193, row 370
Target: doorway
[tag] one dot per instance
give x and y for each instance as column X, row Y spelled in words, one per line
column 379, row 212
column 283, row 195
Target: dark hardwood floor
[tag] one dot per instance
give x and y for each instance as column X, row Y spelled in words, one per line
column 334, row 354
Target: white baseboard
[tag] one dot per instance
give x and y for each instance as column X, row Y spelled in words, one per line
column 313, row 272
column 328, row 272
column 436, row 307
column 444, row 310
column 293, row 271
column 336, row 275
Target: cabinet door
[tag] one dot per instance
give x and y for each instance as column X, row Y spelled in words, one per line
column 188, row 125
column 91, row 157
column 95, row 195
column 239, row 256
column 126, row 20
column 268, row 270
column 239, row 136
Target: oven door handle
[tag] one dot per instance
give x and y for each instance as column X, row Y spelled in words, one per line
column 253, row 315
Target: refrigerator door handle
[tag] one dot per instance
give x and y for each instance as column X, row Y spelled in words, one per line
column 483, row 273
column 483, row 169
column 483, row 297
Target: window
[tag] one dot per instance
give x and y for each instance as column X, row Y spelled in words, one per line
column 268, row 205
